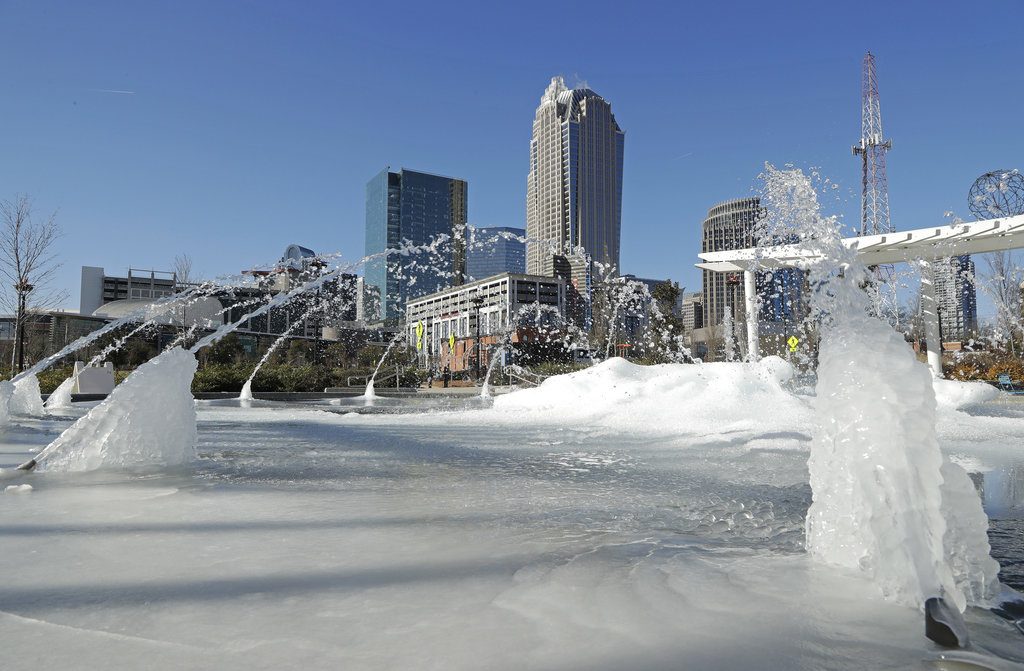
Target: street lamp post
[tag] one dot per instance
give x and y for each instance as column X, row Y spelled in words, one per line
column 477, row 302
column 23, row 288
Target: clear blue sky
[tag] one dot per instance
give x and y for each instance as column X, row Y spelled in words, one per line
column 227, row 130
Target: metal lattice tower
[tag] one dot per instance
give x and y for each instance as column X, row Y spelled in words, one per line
column 874, row 206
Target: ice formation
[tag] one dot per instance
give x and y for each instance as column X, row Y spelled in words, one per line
column 61, row 396
column 885, row 502
column 6, row 393
column 27, row 399
column 148, row 420
column 711, row 397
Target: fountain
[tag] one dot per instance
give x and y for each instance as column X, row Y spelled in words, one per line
column 246, row 392
column 621, row 488
column 485, row 391
column 883, row 494
column 369, row 394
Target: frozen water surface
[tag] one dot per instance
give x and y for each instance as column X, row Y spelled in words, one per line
column 625, row 534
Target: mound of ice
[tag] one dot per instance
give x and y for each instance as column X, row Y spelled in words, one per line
column 27, row 399
column 6, row 393
column 148, row 420
column 61, row 396
column 18, row 489
column 885, row 502
column 956, row 395
column 667, row 397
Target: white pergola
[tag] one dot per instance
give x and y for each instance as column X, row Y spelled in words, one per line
column 922, row 244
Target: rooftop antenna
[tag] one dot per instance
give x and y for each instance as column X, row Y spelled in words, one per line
column 874, row 207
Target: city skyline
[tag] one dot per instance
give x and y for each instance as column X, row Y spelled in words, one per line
column 145, row 157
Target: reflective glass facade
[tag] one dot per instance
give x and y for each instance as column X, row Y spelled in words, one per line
column 574, row 187
column 410, row 208
column 495, row 250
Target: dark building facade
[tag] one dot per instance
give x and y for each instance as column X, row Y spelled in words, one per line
column 495, row 250
column 734, row 225
column 413, row 208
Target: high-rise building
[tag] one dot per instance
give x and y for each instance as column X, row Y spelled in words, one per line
column 955, row 297
column 413, row 208
column 495, row 250
column 733, row 225
column 692, row 312
column 729, row 225
column 574, row 188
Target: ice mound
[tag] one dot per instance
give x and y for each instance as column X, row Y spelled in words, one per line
column 885, row 500
column 148, row 420
column 18, row 489
column 6, row 393
column 27, row 399
column 61, row 396
column 956, row 395
column 708, row 397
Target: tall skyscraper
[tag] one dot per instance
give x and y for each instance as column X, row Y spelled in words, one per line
column 956, row 298
column 733, row 225
column 729, row 225
column 574, row 188
column 417, row 208
column 495, row 250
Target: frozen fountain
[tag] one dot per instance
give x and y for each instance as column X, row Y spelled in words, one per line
column 885, row 500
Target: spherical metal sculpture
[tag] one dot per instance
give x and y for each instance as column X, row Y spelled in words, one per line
column 996, row 194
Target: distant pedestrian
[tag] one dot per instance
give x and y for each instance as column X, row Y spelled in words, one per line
column 447, row 377
column 430, row 378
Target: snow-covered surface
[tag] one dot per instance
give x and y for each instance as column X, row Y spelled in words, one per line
column 492, row 538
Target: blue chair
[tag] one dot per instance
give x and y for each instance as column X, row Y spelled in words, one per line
column 1006, row 384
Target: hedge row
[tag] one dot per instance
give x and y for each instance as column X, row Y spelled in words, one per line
column 231, row 377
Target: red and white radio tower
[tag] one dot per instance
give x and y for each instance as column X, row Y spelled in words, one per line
column 874, row 206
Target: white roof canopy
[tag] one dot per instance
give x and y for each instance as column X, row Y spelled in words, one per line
column 976, row 237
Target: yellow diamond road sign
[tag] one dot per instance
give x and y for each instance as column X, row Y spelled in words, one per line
column 793, row 342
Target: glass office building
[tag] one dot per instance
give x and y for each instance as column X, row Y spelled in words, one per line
column 410, row 208
column 495, row 250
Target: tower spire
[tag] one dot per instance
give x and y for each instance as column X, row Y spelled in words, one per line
column 872, row 148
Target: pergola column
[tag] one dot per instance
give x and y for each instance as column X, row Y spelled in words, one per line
column 750, row 299
column 930, row 315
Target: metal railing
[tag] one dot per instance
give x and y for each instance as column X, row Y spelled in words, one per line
column 397, row 375
column 520, row 374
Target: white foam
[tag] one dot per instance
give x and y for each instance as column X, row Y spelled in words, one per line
column 956, row 395
column 18, row 489
column 710, row 397
column 148, row 420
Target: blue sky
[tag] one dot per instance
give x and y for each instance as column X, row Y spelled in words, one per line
column 227, row 130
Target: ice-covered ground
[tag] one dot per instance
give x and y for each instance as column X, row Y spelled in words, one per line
column 631, row 519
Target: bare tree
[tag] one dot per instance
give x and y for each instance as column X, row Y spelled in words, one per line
column 1002, row 284
column 28, row 264
column 183, row 269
